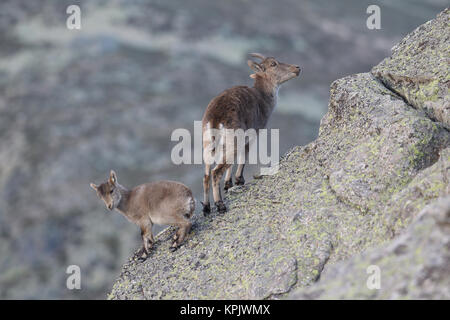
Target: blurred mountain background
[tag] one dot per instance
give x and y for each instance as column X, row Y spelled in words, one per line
column 76, row 103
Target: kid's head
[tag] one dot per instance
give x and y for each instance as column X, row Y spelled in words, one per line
column 108, row 191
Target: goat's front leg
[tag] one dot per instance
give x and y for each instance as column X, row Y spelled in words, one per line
column 147, row 239
column 242, row 155
column 183, row 229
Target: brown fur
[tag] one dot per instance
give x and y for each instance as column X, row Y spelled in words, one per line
column 241, row 107
column 161, row 202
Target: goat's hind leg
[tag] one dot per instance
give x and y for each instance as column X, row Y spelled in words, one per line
column 239, row 178
column 180, row 235
column 176, row 235
column 206, row 182
column 217, row 174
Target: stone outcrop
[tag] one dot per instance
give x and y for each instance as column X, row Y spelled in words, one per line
column 413, row 266
column 418, row 68
column 372, row 189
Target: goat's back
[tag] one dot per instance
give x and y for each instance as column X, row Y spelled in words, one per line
column 162, row 196
column 237, row 107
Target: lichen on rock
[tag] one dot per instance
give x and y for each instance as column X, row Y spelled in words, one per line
column 418, row 68
column 413, row 266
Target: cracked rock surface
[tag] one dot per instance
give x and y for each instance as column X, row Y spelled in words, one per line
column 418, row 68
column 422, row 252
column 372, row 179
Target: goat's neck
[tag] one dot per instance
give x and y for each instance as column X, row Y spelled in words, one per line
column 268, row 90
column 123, row 204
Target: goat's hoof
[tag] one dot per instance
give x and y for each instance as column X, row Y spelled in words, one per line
column 221, row 208
column 239, row 181
column 173, row 249
column 206, row 208
column 228, row 185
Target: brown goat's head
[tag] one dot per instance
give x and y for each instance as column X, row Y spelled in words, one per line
column 108, row 191
column 273, row 70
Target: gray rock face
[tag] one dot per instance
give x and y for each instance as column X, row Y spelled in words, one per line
column 378, row 166
column 416, row 265
column 418, row 68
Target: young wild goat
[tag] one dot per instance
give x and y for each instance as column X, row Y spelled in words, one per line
column 162, row 202
column 243, row 108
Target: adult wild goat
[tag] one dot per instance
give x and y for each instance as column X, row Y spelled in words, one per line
column 237, row 108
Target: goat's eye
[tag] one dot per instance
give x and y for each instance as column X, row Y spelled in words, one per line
column 111, row 192
column 273, row 64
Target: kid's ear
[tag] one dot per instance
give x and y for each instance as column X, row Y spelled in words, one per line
column 255, row 66
column 94, row 186
column 112, row 177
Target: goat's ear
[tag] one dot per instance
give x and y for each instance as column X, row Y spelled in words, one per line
column 94, row 186
column 255, row 66
column 112, row 177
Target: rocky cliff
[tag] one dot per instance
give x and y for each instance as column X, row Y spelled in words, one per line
column 372, row 189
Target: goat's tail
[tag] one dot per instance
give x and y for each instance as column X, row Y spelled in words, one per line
column 214, row 146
